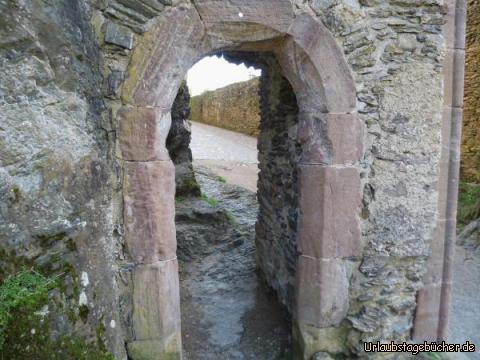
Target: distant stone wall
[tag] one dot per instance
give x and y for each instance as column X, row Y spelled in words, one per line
column 470, row 168
column 235, row 107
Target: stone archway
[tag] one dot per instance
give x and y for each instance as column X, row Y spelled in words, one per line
column 332, row 145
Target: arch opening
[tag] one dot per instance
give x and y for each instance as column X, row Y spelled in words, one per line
column 329, row 135
column 237, row 246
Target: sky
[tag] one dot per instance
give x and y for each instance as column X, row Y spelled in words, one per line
column 213, row 72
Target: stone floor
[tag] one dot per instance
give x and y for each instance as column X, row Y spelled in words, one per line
column 227, row 311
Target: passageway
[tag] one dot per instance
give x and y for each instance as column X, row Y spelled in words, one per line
column 229, row 309
column 228, row 312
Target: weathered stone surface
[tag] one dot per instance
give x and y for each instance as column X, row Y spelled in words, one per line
column 56, row 177
column 297, row 66
column 234, row 20
column 156, row 302
column 168, row 349
column 434, row 269
column 56, row 163
column 276, row 229
column 330, row 138
column 329, row 226
column 178, row 145
column 320, row 46
column 119, row 35
column 142, row 133
column 313, row 339
column 322, row 291
column 114, row 81
column 163, row 56
column 426, row 316
column 322, row 356
column 454, row 77
column 149, row 210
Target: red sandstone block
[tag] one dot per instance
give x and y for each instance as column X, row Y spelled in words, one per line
column 149, row 210
column 142, row 133
column 330, row 201
column 331, row 138
column 427, row 313
column 156, row 300
column 163, row 56
column 454, row 74
column 322, row 291
column 434, row 271
column 321, row 47
column 273, row 14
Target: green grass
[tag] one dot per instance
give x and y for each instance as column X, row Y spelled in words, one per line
column 221, row 179
column 231, row 218
column 26, row 289
column 468, row 203
column 211, row 201
column 433, row 355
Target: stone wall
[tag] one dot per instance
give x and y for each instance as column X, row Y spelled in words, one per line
column 178, row 145
column 57, row 180
column 68, row 77
column 278, row 153
column 395, row 57
column 470, row 168
column 235, row 107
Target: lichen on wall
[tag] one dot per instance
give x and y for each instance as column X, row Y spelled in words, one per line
column 470, row 166
column 56, row 178
column 235, row 107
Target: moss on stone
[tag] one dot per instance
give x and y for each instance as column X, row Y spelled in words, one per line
column 212, row 201
column 26, row 327
column 46, row 241
column 83, row 312
column 468, row 203
column 100, row 333
column 188, row 186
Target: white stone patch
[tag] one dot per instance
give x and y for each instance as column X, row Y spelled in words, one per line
column 33, row 331
column 42, row 312
column 83, row 299
column 113, row 324
column 84, row 279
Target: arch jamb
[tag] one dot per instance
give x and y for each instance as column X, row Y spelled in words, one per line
column 328, row 173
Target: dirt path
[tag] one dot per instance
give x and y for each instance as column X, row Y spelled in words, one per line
column 228, row 154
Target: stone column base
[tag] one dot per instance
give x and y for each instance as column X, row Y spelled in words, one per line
column 309, row 340
column 159, row 349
